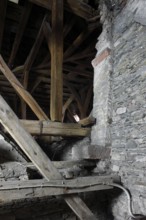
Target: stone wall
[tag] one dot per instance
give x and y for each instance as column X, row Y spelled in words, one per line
column 128, row 129
column 102, row 84
column 120, row 97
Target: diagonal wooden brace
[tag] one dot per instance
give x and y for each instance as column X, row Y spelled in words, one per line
column 12, row 124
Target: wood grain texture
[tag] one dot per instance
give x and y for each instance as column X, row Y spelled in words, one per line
column 12, row 124
column 21, row 91
column 57, row 61
column 55, row 128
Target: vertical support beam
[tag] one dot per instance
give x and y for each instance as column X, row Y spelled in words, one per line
column 20, row 31
column 57, row 61
column 3, row 8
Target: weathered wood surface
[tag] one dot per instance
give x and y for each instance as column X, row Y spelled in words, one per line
column 15, row 190
column 77, row 183
column 12, row 124
column 56, row 96
column 55, row 128
column 90, row 120
column 21, row 91
column 66, row 164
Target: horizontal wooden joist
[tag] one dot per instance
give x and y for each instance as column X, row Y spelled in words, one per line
column 16, row 190
column 55, row 128
column 65, row 164
column 77, row 7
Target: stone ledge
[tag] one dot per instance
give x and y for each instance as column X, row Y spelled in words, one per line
column 103, row 55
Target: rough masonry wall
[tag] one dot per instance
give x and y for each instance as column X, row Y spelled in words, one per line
column 102, row 64
column 128, row 129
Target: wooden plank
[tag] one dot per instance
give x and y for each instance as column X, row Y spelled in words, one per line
column 66, row 105
column 57, row 61
column 77, row 7
column 55, row 128
column 66, row 164
column 3, row 8
column 77, row 183
column 90, row 120
column 21, row 28
column 21, row 91
column 76, row 43
column 16, row 190
column 77, row 98
column 12, row 124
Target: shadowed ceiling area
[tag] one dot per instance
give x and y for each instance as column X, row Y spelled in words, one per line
column 38, row 41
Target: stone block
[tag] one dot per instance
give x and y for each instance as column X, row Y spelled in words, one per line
column 121, row 110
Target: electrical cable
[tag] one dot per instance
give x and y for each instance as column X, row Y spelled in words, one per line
column 135, row 216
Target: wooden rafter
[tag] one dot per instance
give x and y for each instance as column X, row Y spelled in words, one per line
column 3, row 8
column 12, row 124
column 66, row 105
column 20, row 32
column 76, row 43
column 57, row 61
column 21, row 91
column 77, row 98
column 77, row 7
column 29, row 61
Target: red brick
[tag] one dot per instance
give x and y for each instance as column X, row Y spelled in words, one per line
column 102, row 56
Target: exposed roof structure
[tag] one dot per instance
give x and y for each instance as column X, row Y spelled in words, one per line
column 46, row 50
column 28, row 32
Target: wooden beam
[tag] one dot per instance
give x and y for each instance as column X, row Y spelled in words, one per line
column 76, row 43
column 77, row 7
column 29, row 61
column 16, row 190
column 87, row 121
column 3, row 8
column 12, row 124
column 21, row 91
column 36, row 46
column 55, row 128
column 66, row 164
column 21, row 28
column 77, row 98
column 66, row 105
column 57, row 61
